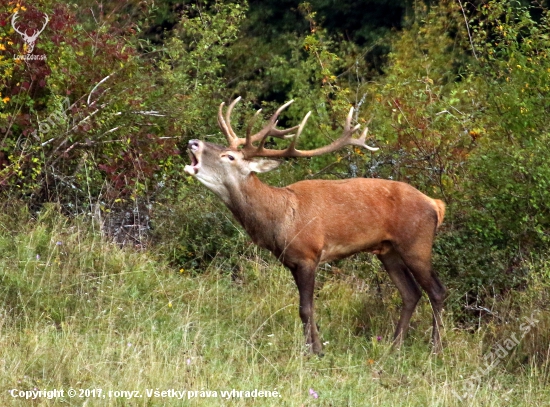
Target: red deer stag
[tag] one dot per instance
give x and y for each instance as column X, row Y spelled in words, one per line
column 316, row 221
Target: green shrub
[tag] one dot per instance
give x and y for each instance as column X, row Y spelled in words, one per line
column 194, row 230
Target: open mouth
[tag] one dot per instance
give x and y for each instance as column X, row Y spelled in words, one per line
column 193, row 148
column 194, row 161
column 192, row 169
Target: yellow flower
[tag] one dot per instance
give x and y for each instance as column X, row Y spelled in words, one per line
column 170, row 304
column 23, row 8
column 6, row 99
column 2, row 47
column 182, row 271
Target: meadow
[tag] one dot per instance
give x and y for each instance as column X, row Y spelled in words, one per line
column 79, row 312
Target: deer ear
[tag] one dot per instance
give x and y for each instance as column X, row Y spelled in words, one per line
column 263, row 165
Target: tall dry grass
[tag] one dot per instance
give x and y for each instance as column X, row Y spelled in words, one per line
column 77, row 312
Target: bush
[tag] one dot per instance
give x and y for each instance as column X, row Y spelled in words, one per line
column 198, row 232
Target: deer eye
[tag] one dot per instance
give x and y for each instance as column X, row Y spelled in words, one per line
column 230, row 157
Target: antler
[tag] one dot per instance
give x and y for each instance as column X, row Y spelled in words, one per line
column 250, row 151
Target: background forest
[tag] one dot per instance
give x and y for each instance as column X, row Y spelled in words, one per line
column 118, row 272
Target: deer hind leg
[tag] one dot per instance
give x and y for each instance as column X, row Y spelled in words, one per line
column 304, row 276
column 419, row 264
column 409, row 290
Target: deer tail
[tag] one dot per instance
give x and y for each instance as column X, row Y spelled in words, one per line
column 440, row 209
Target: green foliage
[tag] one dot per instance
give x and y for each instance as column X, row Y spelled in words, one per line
column 74, row 125
column 470, row 128
column 499, row 210
column 96, row 121
column 191, row 68
column 197, row 237
column 509, row 185
column 422, row 106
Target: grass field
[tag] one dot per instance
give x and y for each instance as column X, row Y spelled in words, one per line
column 81, row 313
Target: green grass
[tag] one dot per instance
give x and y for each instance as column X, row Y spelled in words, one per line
column 86, row 314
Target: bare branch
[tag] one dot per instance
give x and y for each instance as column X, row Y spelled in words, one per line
column 96, row 86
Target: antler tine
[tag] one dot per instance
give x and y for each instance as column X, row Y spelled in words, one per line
column 293, row 137
column 282, row 133
column 348, row 131
column 347, row 125
column 268, row 130
column 228, row 116
column 292, row 145
column 362, row 141
column 225, row 124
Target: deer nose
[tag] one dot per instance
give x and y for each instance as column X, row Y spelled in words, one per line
column 193, row 145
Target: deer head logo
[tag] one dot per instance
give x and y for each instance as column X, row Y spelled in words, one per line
column 30, row 40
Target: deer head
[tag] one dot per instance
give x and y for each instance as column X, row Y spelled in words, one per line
column 219, row 167
column 30, row 40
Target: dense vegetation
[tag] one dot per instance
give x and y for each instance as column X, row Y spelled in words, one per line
column 456, row 95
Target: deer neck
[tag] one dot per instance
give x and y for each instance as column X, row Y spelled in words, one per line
column 259, row 208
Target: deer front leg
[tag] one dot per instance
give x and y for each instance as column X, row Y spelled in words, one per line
column 304, row 275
